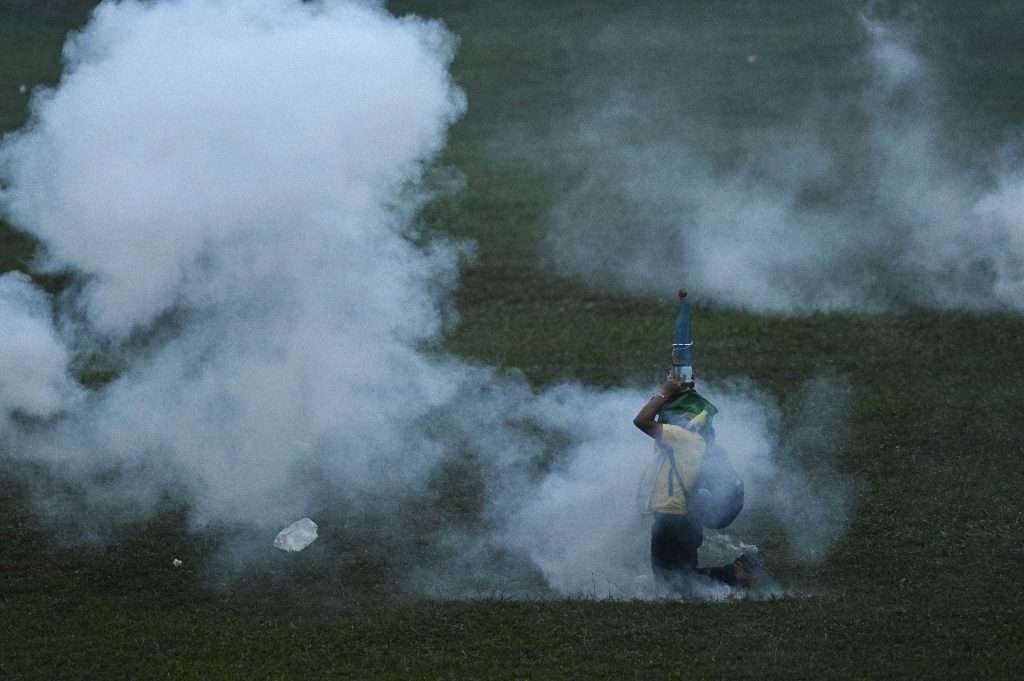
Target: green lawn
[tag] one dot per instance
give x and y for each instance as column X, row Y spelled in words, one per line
column 923, row 585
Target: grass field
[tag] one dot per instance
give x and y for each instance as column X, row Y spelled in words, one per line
column 925, row 583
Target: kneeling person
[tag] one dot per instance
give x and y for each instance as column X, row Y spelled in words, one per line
column 682, row 439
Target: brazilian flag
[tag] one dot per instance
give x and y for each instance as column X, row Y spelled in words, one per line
column 690, row 405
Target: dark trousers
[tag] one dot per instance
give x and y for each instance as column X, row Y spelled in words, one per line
column 674, row 543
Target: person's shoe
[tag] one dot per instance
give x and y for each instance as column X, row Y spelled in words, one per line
column 749, row 571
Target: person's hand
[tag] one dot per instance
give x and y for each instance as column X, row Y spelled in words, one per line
column 674, row 385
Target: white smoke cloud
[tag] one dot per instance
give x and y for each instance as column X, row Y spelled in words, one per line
column 243, row 173
column 33, row 360
column 185, row 136
column 787, row 454
column 1000, row 222
column 233, row 185
column 855, row 200
column 582, row 525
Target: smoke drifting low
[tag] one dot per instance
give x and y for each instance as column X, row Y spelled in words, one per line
column 581, row 525
column 835, row 183
column 239, row 177
column 234, row 185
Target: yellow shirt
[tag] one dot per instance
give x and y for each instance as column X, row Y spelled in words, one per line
column 666, row 495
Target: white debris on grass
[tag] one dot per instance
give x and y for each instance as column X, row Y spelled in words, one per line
column 177, row 563
column 720, row 548
column 296, row 536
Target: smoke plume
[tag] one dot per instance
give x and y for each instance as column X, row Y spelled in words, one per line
column 233, row 186
column 799, row 188
column 235, row 181
column 582, row 525
column 33, row 359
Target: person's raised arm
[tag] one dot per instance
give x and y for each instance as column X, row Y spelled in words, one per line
column 644, row 420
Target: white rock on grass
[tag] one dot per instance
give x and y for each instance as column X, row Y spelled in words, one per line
column 296, row 536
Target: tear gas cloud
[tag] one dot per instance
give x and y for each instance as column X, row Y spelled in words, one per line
column 582, row 524
column 234, row 185
column 241, row 174
column 33, row 360
column 839, row 183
